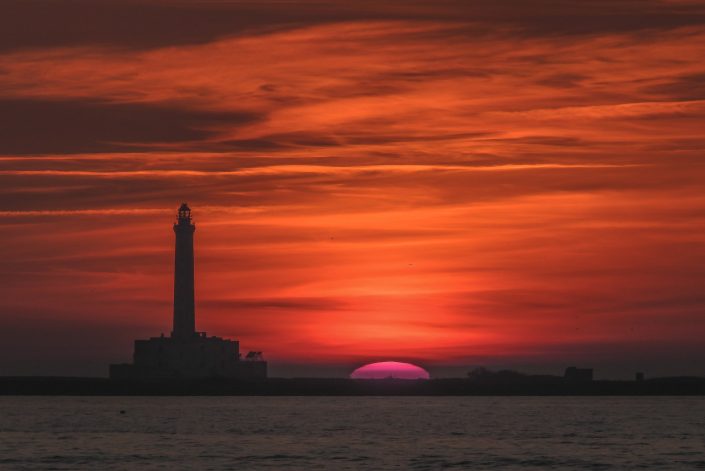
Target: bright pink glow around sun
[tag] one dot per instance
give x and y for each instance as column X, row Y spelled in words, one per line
column 390, row 369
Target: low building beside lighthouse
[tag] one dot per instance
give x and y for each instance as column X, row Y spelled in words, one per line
column 187, row 353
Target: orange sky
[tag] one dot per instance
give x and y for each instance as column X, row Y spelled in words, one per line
column 453, row 183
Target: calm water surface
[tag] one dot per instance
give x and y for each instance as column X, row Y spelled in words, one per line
column 346, row 433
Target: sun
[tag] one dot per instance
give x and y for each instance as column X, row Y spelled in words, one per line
column 390, row 369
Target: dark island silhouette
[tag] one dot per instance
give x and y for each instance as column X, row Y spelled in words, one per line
column 489, row 383
column 188, row 362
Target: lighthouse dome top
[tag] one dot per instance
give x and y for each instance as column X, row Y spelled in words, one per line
column 184, row 213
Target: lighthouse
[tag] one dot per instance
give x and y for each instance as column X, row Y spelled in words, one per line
column 186, row 353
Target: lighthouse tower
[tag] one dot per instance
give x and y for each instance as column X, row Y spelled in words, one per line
column 184, row 305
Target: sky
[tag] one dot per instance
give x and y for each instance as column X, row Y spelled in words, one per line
column 508, row 184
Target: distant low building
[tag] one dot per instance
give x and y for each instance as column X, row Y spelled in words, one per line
column 578, row 374
column 187, row 353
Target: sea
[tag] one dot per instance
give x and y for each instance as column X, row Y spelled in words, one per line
column 352, row 433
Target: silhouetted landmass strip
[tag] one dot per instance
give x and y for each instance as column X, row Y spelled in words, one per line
column 521, row 385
